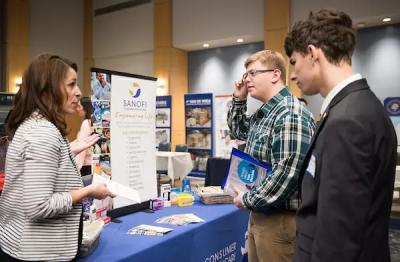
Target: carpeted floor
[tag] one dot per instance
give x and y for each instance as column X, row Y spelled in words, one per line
column 394, row 242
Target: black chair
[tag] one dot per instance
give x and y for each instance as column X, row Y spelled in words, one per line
column 181, row 148
column 216, row 170
column 166, row 147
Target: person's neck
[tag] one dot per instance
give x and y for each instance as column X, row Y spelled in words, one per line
column 333, row 75
column 274, row 90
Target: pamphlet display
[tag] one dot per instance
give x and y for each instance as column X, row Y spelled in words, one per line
column 124, row 116
column 163, row 119
column 244, row 172
column 199, row 130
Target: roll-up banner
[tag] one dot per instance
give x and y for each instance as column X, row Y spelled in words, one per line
column 124, row 116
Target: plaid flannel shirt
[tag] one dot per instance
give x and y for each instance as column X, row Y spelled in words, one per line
column 279, row 134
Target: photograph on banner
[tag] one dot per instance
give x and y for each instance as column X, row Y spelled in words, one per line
column 101, row 165
column 104, row 133
column 162, row 135
column 101, row 113
column 199, row 159
column 199, row 138
column 101, row 86
column 103, row 145
column 198, row 117
column 163, row 117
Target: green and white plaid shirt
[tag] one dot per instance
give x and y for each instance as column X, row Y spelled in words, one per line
column 279, row 134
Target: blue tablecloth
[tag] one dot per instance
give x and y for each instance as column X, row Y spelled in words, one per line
column 220, row 238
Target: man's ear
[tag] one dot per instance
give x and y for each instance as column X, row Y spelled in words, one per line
column 276, row 76
column 314, row 52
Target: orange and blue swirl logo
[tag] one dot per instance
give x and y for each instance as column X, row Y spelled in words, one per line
column 134, row 91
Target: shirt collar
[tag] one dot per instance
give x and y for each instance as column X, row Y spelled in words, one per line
column 266, row 108
column 337, row 89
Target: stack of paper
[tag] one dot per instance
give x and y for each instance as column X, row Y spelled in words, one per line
column 214, row 195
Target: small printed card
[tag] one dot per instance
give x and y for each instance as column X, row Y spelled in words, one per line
column 148, row 230
column 244, row 172
column 179, row 220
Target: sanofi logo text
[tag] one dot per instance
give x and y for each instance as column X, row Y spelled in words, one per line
column 133, row 103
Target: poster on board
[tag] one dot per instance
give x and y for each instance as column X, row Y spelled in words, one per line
column 392, row 106
column 199, row 130
column 163, row 119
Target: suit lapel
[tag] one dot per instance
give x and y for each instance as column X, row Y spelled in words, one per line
column 320, row 124
column 350, row 88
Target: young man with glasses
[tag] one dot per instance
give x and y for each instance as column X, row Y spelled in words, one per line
column 278, row 134
column 348, row 174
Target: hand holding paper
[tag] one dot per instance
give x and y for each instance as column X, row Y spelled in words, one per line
column 118, row 189
column 100, row 191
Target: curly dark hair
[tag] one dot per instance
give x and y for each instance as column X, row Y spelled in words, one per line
column 41, row 91
column 328, row 29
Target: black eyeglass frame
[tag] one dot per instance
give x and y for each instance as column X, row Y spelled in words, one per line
column 253, row 73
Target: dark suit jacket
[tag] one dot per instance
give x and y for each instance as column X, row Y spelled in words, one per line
column 347, row 195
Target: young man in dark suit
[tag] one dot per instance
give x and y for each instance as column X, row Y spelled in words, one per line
column 349, row 170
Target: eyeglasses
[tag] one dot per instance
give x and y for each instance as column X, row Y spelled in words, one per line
column 252, row 73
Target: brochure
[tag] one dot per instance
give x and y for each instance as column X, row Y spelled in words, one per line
column 180, row 219
column 244, row 172
column 118, row 189
column 148, row 230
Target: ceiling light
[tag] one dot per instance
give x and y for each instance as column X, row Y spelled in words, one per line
column 239, row 40
column 360, row 25
column 386, row 19
column 206, row 45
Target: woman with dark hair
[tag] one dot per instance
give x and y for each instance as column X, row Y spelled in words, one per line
column 40, row 207
column 84, row 158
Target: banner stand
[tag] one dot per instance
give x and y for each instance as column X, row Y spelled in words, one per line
column 124, row 107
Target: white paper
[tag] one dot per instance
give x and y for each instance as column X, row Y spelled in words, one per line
column 118, row 189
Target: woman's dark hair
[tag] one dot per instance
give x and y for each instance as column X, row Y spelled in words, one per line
column 327, row 29
column 87, row 107
column 41, row 90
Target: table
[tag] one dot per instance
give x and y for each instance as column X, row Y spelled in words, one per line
column 220, row 238
column 178, row 164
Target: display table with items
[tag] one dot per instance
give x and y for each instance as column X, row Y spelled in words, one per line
column 178, row 164
column 218, row 235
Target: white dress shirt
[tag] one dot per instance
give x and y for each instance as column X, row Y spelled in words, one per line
column 337, row 89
